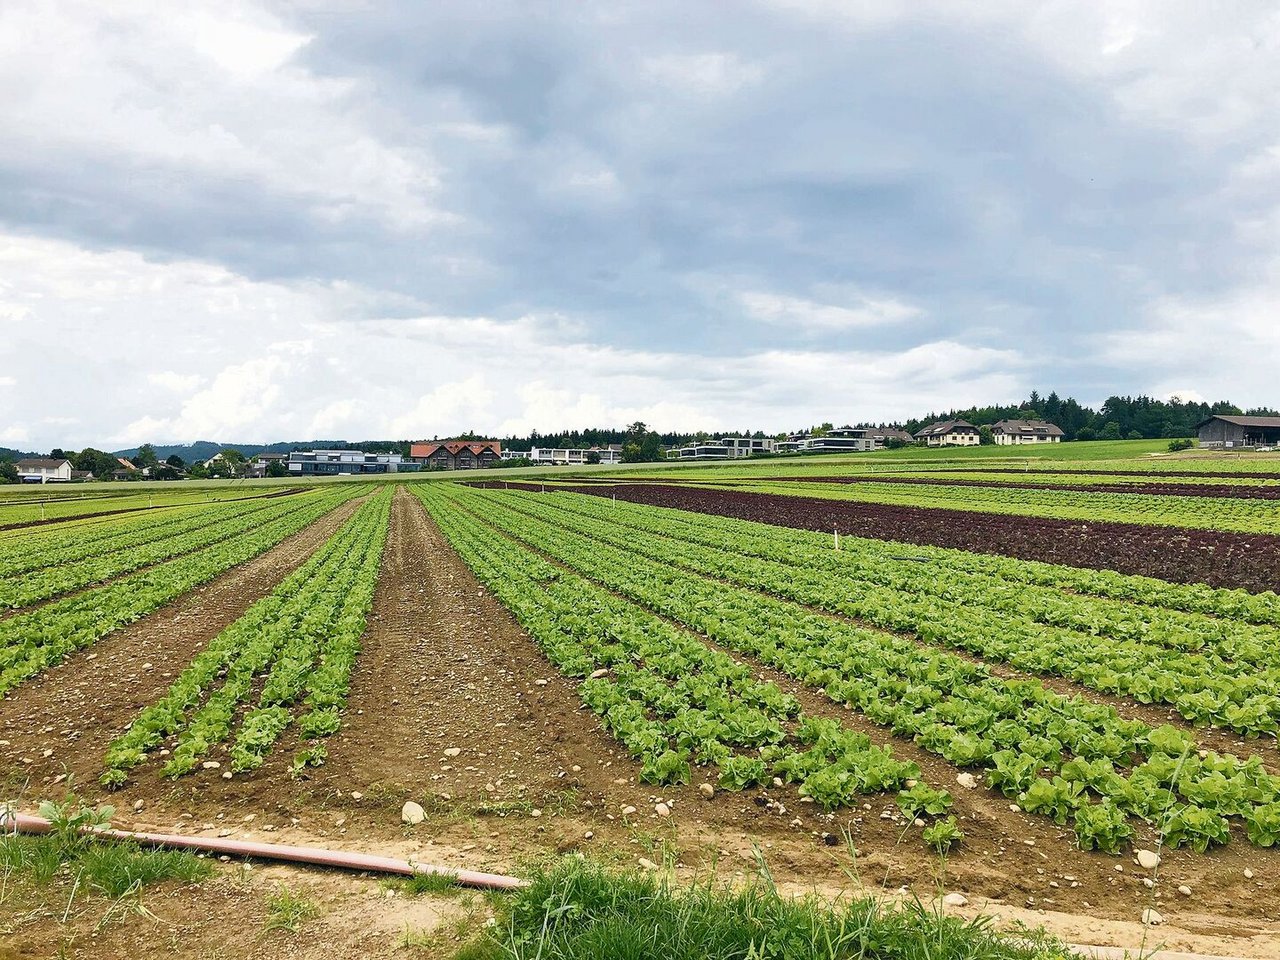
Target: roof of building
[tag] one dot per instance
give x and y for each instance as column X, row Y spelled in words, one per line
column 454, row 447
column 125, row 464
column 1039, row 427
column 1243, row 421
column 943, row 427
column 40, row 463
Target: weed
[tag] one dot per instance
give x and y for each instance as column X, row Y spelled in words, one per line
column 288, row 911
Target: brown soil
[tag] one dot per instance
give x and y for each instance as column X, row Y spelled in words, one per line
column 445, row 666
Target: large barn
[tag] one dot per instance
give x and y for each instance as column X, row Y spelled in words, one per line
column 1227, row 431
column 456, row 454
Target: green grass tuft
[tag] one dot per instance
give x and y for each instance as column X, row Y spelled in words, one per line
column 288, row 911
column 580, row 911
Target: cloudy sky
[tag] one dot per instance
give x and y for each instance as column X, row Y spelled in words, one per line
column 252, row 221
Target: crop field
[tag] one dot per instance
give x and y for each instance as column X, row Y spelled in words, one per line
column 914, row 676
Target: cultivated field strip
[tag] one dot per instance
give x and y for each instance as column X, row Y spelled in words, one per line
column 1210, row 669
column 1136, row 592
column 140, row 547
column 16, row 511
column 296, row 646
column 1061, row 756
column 36, row 639
column 670, row 699
column 1207, row 513
column 1202, row 558
column 36, row 548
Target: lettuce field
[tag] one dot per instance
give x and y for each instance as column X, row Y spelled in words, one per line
column 1019, row 673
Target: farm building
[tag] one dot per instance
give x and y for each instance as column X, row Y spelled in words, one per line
column 330, row 462
column 1227, row 431
column 1026, row 431
column 40, row 470
column 456, row 454
column 258, row 463
column 949, row 433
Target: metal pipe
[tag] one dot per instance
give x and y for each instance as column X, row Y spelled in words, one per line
column 14, row 822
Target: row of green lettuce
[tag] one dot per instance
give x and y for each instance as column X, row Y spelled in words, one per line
column 51, row 572
column 1213, row 670
column 1063, row 756
column 34, row 640
column 288, row 658
column 669, row 699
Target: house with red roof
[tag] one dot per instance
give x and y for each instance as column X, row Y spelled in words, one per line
column 456, row 454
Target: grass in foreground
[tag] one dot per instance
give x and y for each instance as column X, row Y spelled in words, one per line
column 581, row 911
column 114, row 869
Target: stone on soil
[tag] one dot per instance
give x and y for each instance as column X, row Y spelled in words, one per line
column 412, row 812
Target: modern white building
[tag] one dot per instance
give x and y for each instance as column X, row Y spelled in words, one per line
column 331, row 462
column 842, row 440
column 609, row 453
column 42, row 470
column 722, row 448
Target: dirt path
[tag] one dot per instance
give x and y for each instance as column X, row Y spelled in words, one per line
column 59, row 724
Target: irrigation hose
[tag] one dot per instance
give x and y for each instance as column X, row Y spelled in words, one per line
column 12, row 822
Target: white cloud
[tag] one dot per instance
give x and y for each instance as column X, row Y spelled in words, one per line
column 715, row 74
column 307, row 374
column 8, row 382
column 177, row 382
column 161, row 86
column 811, row 315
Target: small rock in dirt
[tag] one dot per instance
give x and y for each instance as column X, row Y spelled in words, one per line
column 955, row 900
column 648, row 864
column 1152, row 917
column 662, row 810
column 1248, row 874
column 540, row 683
column 357, row 795
column 412, row 812
column 535, row 813
column 1148, row 859
column 452, row 751
column 1184, row 890
column 628, row 810
column 226, row 775
column 597, row 674
column 138, row 805
column 707, row 790
column 576, row 769
column 967, row 780
column 211, row 764
column 588, row 835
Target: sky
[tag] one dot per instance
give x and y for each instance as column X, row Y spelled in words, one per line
column 257, row 221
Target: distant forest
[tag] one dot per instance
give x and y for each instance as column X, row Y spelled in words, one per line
column 1120, row 418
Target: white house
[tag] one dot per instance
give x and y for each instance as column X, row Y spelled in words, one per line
column 1026, row 431
column 950, row 433
column 40, row 470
